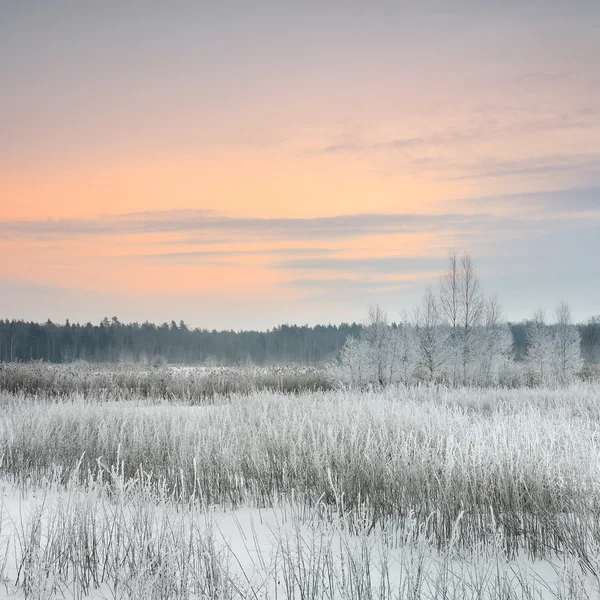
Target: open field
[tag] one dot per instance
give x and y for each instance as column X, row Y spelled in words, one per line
column 406, row 492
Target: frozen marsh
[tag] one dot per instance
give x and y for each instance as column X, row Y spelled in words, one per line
column 405, row 492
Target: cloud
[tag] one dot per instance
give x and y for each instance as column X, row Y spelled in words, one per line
column 543, row 77
column 582, row 164
column 472, row 222
column 489, row 124
column 345, row 284
column 214, row 256
column 407, row 143
column 211, row 223
column 466, row 219
column 569, row 201
column 358, row 293
column 383, row 264
column 11, row 286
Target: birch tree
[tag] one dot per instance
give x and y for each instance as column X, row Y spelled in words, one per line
column 566, row 346
column 461, row 306
column 352, row 361
column 539, row 349
column 590, row 340
column 449, row 309
column 432, row 337
column 471, row 313
column 377, row 340
column 496, row 343
column 371, row 357
column 406, row 348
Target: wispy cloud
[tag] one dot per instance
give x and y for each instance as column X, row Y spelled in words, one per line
column 570, row 202
column 491, row 124
column 574, row 165
column 197, row 227
column 541, row 77
column 357, row 293
column 345, row 284
column 13, row 286
column 207, row 222
column 223, row 256
column 407, row 143
column 383, row 264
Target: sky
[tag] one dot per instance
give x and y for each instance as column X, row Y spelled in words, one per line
column 244, row 164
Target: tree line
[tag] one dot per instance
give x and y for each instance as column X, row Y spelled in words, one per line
column 456, row 333
column 458, row 336
column 176, row 343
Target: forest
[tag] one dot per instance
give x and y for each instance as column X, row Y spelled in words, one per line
column 113, row 341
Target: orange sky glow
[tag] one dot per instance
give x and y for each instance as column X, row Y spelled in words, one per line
column 198, row 165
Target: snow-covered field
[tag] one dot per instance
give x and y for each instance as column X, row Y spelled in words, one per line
column 407, row 492
column 72, row 543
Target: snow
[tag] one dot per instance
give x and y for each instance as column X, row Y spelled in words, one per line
column 260, row 544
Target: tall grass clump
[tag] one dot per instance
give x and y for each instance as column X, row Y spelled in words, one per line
column 191, row 385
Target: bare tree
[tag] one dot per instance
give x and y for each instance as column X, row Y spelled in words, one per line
column 566, row 346
column 376, row 336
column 450, row 284
column 432, row 337
column 11, row 341
column 352, row 361
column 406, row 347
column 449, row 307
column 496, row 344
column 539, row 348
column 590, row 341
column 377, row 355
column 471, row 307
column 461, row 309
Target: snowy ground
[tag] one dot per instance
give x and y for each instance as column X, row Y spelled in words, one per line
column 280, row 552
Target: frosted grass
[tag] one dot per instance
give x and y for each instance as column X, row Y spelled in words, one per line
column 127, row 541
column 197, row 385
column 467, row 465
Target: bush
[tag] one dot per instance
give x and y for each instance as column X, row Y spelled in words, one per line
column 590, row 373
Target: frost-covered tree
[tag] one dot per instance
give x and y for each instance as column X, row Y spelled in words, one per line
column 432, row 337
column 496, row 344
column 590, row 340
column 377, row 341
column 471, row 312
column 566, row 346
column 352, row 361
column 461, row 307
column 538, row 341
column 450, row 284
column 405, row 349
column 372, row 357
column 449, row 310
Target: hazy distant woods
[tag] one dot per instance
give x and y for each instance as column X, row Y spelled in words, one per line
column 112, row 341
